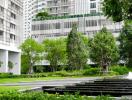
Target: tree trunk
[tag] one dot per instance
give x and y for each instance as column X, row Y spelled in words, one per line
column 31, row 71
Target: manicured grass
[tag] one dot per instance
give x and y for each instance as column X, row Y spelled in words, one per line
column 12, row 88
column 15, row 80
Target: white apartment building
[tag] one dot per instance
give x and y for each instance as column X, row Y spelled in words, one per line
column 57, row 8
column 87, row 13
column 10, row 35
column 61, row 26
column 30, row 9
column 73, row 7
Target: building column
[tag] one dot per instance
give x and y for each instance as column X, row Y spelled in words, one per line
column 15, row 58
column 4, row 60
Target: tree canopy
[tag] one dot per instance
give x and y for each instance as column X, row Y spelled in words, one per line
column 55, row 50
column 77, row 51
column 103, row 49
column 125, row 39
column 118, row 10
column 42, row 14
column 32, row 50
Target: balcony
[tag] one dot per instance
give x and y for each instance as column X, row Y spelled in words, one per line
column 1, row 14
column 1, row 27
column 14, row 9
column 12, row 31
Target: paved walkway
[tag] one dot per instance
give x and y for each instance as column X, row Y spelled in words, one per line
column 63, row 82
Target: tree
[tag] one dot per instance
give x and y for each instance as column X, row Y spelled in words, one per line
column 125, row 40
column 118, row 10
column 33, row 51
column 103, row 49
column 77, row 52
column 42, row 15
column 55, row 52
column 24, row 64
column 121, row 10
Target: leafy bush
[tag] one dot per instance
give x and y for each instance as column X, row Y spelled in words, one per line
column 10, row 65
column 91, row 71
column 5, row 75
column 120, row 69
column 45, row 96
column 10, row 75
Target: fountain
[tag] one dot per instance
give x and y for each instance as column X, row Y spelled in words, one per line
column 129, row 76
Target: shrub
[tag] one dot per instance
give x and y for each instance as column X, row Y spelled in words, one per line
column 45, row 96
column 120, row 69
column 91, row 71
column 10, row 65
column 5, row 75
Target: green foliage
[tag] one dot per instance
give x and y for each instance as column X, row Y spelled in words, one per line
column 55, row 52
column 118, row 10
column 65, row 17
column 121, row 70
column 103, row 49
column 91, row 71
column 12, row 95
column 24, row 64
column 32, row 50
column 42, row 15
column 10, row 64
column 1, row 63
column 125, row 40
column 5, row 75
column 77, row 51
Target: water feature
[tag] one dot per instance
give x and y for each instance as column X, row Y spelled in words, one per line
column 129, row 76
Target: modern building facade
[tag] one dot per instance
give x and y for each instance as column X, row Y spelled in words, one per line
column 57, row 8
column 87, row 13
column 30, row 9
column 10, row 35
column 61, row 26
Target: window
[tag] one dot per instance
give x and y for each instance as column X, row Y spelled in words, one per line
column 91, row 23
column 13, row 16
column 1, row 9
column 12, row 26
column 92, row 5
column 92, row 11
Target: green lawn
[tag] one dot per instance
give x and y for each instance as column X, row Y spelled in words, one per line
column 12, row 88
column 15, row 80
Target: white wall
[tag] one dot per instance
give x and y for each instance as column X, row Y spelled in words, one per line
column 4, row 59
column 15, row 57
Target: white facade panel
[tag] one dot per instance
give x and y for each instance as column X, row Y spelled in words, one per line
column 10, row 32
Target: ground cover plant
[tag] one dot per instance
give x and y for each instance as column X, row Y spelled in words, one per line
column 44, row 96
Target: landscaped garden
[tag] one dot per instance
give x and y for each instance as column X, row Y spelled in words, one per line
column 68, row 58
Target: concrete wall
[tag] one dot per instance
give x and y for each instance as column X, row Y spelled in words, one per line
column 14, row 57
column 4, row 60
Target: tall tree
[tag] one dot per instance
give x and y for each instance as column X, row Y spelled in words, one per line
column 77, row 52
column 55, row 52
column 121, row 10
column 125, row 39
column 118, row 10
column 103, row 49
column 32, row 50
